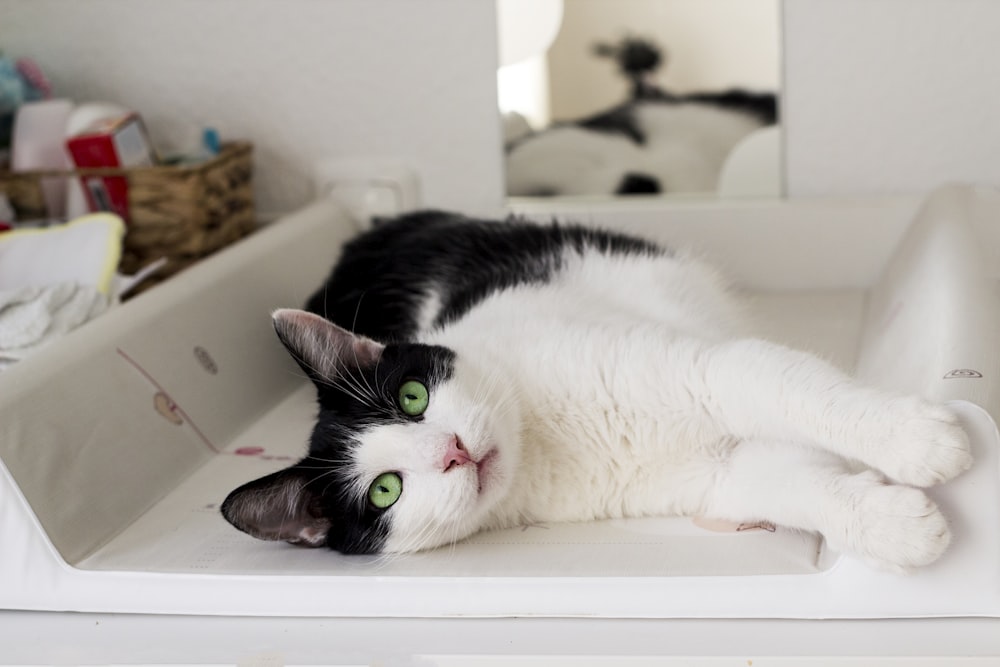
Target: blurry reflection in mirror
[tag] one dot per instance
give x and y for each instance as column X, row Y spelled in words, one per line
column 652, row 97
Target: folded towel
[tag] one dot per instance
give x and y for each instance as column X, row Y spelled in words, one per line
column 85, row 251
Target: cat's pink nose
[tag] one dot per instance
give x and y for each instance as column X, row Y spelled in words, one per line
column 455, row 455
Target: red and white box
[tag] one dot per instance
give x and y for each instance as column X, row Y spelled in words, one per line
column 116, row 142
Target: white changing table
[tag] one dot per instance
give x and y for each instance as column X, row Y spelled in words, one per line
column 37, row 638
column 50, row 560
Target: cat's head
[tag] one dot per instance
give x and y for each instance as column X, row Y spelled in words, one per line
column 412, row 448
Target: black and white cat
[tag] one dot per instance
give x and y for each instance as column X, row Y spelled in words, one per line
column 507, row 373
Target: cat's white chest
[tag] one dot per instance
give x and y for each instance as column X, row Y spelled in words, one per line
column 610, row 426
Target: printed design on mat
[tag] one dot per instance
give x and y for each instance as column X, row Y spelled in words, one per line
column 205, row 360
column 164, row 404
column 722, row 526
column 963, row 373
column 260, row 453
column 167, row 408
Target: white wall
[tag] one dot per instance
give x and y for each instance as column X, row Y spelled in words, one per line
column 709, row 45
column 881, row 95
column 302, row 79
column 891, row 95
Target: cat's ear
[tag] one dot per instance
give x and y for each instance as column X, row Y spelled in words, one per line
column 320, row 347
column 279, row 506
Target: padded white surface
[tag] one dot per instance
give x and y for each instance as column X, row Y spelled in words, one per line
column 184, row 532
column 109, row 482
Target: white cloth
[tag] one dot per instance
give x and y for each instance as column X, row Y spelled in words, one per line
column 54, row 279
column 32, row 317
column 85, row 251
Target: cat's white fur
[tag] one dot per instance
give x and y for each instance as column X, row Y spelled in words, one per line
column 685, row 148
column 626, row 388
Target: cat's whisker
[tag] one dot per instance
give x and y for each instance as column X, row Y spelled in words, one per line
column 296, row 373
column 504, row 407
column 482, row 389
column 452, row 542
column 419, row 540
column 366, row 390
column 348, row 381
column 357, row 310
column 385, row 559
column 381, row 389
column 343, row 380
column 371, row 391
column 319, row 477
column 322, row 460
column 350, row 391
column 385, row 381
column 374, row 400
column 350, row 387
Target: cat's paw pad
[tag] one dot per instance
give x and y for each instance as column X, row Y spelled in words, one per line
column 897, row 528
column 927, row 446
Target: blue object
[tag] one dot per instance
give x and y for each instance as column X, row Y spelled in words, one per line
column 210, row 140
column 16, row 88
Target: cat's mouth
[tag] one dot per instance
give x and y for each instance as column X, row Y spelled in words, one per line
column 485, row 467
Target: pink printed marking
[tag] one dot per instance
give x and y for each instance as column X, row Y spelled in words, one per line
column 177, row 408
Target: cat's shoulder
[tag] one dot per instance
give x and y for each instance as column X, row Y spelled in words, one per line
column 428, row 268
column 443, row 236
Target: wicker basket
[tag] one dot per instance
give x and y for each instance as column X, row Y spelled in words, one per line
column 182, row 213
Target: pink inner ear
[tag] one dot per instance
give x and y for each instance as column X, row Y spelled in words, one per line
column 311, row 536
column 298, row 319
column 321, row 343
column 366, row 350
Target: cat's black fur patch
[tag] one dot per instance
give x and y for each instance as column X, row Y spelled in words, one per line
column 636, row 184
column 763, row 106
column 621, row 119
column 637, row 58
column 377, row 287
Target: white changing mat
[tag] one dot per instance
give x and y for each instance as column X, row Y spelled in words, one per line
column 182, row 533
column 118, row 445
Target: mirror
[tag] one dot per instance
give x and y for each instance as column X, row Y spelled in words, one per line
column 673, row 98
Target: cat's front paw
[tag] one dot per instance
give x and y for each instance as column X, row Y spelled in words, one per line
column 897, row 528
column 926, row 446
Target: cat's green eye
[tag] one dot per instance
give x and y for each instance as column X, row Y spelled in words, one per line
column 385, row 490
column 413, row 398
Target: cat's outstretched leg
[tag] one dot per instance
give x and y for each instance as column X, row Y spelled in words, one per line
column 759, row 389
column 890, row 526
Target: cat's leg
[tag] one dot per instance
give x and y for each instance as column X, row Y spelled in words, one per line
column 891, row 526
column 759, row 389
